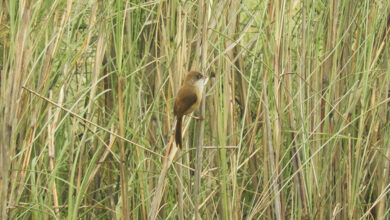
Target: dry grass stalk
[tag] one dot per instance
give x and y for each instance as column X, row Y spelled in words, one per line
column 317, row 149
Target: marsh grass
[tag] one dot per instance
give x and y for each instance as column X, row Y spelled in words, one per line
column 296, row 117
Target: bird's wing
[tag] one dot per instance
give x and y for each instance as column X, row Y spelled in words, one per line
column 185, row 100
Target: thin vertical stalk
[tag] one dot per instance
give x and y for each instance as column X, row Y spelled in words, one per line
column 179, row 184
column 179, row 72
column 123, row 178
column 202, row 21
column 272, row 164
column 51, row 149
column 277, row 110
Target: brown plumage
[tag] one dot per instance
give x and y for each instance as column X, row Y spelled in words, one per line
column 188, row 99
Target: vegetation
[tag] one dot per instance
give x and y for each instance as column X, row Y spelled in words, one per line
column 296, row 116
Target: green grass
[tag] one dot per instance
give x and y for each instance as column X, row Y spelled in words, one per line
column 296, row 118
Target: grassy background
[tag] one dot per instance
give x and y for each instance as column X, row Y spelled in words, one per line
column 296, row 118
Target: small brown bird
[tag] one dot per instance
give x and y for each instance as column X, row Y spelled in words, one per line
column 188, row 99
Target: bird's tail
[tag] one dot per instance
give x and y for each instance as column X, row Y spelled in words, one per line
column 178, row 131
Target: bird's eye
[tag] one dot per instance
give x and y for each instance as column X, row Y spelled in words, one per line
column 199, row 76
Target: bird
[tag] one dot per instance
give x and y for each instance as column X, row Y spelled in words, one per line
column 188, row 99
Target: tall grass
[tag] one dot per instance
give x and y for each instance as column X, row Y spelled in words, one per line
column 296, row 110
